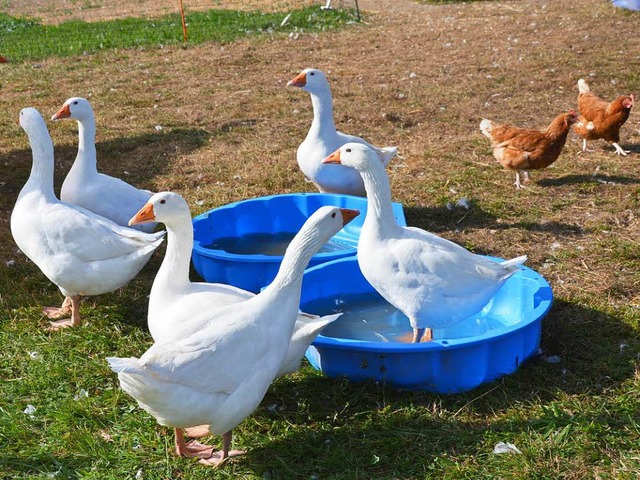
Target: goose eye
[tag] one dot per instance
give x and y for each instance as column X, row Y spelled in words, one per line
column 163, row 201
column 348, row 150
column 333, row 215
column 312, row 73
column 75, row 103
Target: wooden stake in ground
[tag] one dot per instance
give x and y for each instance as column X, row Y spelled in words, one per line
column 184, row 23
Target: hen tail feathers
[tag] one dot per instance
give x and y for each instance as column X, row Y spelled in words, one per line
column 583, row 87
column 486, row 126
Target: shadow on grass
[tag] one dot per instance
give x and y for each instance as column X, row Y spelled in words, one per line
column 441, row 219
column 143, row 157
column 387, row 446
column 333, row 428
column 587, row 341
column 581, row 179
column 591, row 363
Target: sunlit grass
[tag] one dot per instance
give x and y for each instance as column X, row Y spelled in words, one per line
column 28, row 39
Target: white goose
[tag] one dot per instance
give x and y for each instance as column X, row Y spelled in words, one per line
column 433, row 281
column 82, row 253
column 85, row 186
column 323, row 138
column 179, row 308
column 219, row 375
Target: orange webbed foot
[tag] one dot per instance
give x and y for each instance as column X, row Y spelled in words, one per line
column 192, row 449
column 55, row 313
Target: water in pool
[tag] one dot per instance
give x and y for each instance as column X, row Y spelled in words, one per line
column 368, row 317
column 272, row 244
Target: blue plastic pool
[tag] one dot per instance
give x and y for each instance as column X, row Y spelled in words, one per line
column 268, row 215
column 459, row 359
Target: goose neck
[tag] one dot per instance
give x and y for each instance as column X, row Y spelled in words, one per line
column 295, row 260
column 87, row 144
column 322, row 113
column 173, row 274
column 379, row 207
column 41, row 176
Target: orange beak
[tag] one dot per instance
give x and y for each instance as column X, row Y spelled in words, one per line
column 145, row 214
column 299, row 80
column 64, row 112
column 348, row 215
column 333, row 158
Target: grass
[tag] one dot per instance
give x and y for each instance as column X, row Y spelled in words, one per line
column 230, row 131
column 27, row 39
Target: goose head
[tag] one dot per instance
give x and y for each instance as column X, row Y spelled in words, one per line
column 332, row 219
column 75, row 107
column 166, row 207
column 323, row 224
column 355, row 155
column 311, row 80
column 31, row 121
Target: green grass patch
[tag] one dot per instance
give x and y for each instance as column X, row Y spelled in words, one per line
column 28, row 39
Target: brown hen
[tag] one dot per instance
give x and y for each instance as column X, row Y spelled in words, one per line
column 522, row 149
column 601, row 119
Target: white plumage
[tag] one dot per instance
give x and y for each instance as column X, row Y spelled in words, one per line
column 179, row 308
column 218, row 375
column 84, row 186
column 323, row 138
column 433, row 281
column 81, row 252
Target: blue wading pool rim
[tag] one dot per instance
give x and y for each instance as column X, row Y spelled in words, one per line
column 259, row 270
column 438, row 355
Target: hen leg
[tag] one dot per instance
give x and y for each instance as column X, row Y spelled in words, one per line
column 75, row 319
column 584, row 143
column 192, row 449
column 58, row 312
column 219, row 457
column 517, row 182
column 620, row 150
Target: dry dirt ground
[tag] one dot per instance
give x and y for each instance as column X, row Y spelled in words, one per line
column 417, row 76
